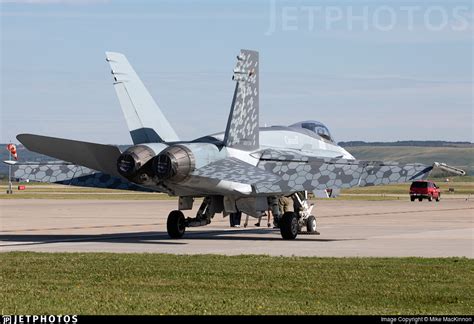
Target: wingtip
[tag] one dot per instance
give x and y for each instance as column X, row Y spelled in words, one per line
column 249, row 50
column 19, row 137
column 110, row 56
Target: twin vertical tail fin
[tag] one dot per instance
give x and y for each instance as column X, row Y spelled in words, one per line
column 145, row 121
column 242, row 130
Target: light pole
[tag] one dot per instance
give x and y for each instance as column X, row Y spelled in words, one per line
column 10, row 191
column 11, row 151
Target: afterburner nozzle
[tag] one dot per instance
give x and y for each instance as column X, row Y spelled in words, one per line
column 175, row 163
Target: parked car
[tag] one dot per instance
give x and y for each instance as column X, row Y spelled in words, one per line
column 424, row 189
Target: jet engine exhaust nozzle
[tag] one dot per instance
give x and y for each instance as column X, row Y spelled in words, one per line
column 175, row 163
column 133, row 159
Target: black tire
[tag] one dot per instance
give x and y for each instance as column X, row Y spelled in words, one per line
column 430, row 198
column 311, row 224
column 412, row 198
column 289, row 226
column 420, row 199
column 176, row 224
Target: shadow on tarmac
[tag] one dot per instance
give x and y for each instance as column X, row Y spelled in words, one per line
column 157, row 237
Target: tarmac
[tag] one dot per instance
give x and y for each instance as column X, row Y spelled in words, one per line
column 397, row 228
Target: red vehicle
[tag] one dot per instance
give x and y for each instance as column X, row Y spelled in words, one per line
column 424, row 189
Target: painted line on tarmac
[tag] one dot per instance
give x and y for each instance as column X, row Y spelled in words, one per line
column 400, row 212
column 159, row 224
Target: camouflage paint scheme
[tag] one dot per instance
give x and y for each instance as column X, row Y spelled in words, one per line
column 245, row 161
column 242, row 128
column 73, row 175
column 284, row 172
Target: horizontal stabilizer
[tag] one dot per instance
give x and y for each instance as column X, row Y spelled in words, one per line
column 145, row 121
column 98, row 157
column 70, row 174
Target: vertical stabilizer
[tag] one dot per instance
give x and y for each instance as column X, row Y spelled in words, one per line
column 145, row 121
column 242, row 130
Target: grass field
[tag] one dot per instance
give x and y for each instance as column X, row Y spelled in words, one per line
column 403, row 188
column 462, row 157
column 59, row 283
column 461, row 186
column 86, row 196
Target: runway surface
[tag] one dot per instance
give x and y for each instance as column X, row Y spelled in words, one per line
column 348, row 228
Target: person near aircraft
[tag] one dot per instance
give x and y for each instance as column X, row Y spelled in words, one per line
column 268, row 213
column 235, row 218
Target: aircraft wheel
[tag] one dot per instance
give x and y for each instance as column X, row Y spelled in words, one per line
column 311, row 224
column 289, row 226
column 176, row 224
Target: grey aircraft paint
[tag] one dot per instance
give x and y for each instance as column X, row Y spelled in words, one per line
column 244, row 166
column 242, row 128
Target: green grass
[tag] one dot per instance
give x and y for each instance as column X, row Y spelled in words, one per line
column 54, row 191
column 100, row 283
column 142, row 196
column 462, row 157
column 87, row 196
column 455, row 179
column 461, row 185
column 365, row 197
column 403, row 188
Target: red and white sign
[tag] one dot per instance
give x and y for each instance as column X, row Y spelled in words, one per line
column 12, row 149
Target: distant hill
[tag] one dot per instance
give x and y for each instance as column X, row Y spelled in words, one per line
column 408, row 143
column 462, row 157
column 459, row 154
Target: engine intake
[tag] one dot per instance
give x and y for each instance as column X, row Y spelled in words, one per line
column 175, row 163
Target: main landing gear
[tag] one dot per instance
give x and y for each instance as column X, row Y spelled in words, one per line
column 177, row 223
column 290, row 223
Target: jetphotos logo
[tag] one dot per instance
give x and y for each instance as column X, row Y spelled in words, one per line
column 383, row 16
column 33, row 319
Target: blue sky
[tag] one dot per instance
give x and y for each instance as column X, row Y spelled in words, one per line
column 385, row 76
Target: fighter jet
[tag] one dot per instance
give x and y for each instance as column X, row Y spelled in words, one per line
column 246, row 168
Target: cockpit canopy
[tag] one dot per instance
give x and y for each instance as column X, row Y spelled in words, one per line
column 316, row 127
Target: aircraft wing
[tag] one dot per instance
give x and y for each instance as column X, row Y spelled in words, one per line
column 98, row 157
column 70, row 174
column 299, row 172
